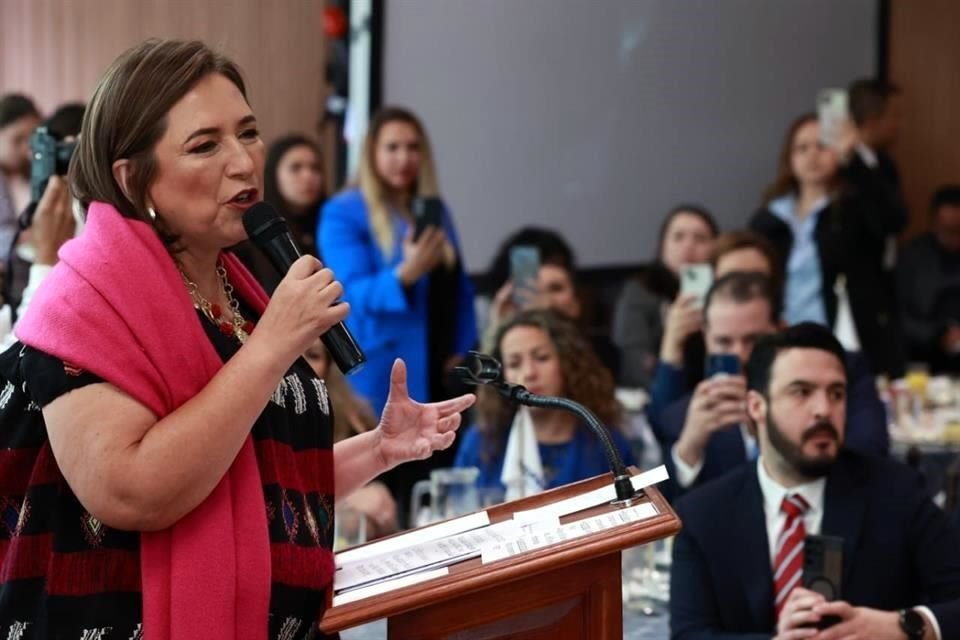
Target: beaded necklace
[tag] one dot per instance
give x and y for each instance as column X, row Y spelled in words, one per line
column 236, row 326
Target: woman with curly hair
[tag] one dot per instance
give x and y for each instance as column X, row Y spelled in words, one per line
column 527, row 450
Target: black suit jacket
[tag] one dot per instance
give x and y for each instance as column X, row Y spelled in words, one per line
column 899, row 551
column 851, row 236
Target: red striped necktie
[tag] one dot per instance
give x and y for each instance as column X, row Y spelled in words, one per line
column 788, row 562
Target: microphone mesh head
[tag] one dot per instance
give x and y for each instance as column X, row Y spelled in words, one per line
column 263, row 223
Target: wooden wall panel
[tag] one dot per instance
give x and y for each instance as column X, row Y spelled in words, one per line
column 55, row 50
column 925, row 62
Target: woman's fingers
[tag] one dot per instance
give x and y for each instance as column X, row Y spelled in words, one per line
column 455, row 405
column 450, row 423
column 440, row 441
column 304, row 267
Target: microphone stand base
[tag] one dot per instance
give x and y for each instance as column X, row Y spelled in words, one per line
column 626, row 494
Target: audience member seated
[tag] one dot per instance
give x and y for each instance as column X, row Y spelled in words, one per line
column 686, row 237
column 706, row 434
column 351, row 416
column 738, row 561
column 746, row 252
column 830, row 216
column 742, row 251
column 526, row 450
column 18, row 118
column 551, row 246
column 410, row 298
column 293, row 184
column 556, row 288
column 929, row 287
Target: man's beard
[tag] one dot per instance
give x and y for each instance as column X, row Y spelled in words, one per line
column 809, row 467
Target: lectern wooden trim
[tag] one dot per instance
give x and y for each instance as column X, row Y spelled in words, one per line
column 567, row 590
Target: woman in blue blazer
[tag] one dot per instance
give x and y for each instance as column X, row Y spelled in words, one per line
column 410, row 298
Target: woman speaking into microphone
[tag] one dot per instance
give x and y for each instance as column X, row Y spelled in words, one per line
column 166, row 454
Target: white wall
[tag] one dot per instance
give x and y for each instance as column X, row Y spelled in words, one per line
column 597, row 116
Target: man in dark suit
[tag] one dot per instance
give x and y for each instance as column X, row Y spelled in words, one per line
column 929, row 286
column 875, row 108
column 704, row 434
column 737, row 562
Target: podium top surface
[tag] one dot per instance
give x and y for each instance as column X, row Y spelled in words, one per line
column 471, row 575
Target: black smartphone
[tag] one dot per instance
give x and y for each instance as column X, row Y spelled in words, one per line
column 427, row 212
column 823, row 571
column 721, row 363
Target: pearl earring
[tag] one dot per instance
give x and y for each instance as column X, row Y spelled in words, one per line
column 152, row 214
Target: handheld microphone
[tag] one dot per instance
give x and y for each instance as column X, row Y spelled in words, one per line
column 270, row 233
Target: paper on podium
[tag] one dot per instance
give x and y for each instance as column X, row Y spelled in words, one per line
column 591, row 498
column 413, row 538
column 405, row 559
column 388, row 585
column 430, row 554
column 546, row 537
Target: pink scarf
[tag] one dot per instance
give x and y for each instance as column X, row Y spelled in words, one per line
column 116, row 306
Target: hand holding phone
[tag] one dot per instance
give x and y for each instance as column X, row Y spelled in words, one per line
column 427, row 212
column 717, row 404
column 832, row 115
column 719, row 364
column 823, row 571
column 684, row 318
column 425, row 244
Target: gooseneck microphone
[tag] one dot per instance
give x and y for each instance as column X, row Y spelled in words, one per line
column 482, row 369
column 270, row 233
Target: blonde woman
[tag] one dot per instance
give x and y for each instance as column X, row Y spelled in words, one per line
column 409, row 296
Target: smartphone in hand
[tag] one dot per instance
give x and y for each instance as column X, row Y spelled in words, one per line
column 524, row 272
column 832, row 114
column 823, row 571
column 696, row 280
column 722, row 364
column 427, row 212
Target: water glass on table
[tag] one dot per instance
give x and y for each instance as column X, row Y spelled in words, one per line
column 349, row 528
column 646, row 577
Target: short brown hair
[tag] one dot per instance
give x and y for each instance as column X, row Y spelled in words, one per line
column 127, row 116
column 743, row 287
column 868, row 98
column 739, row 240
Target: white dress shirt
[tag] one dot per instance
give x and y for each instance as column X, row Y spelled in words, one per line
column 773, row 495
column 813, row 493
column 687, row 474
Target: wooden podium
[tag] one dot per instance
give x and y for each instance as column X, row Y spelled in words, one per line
column 570, row 590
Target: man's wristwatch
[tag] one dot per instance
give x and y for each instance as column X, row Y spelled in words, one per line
column 913, row 624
